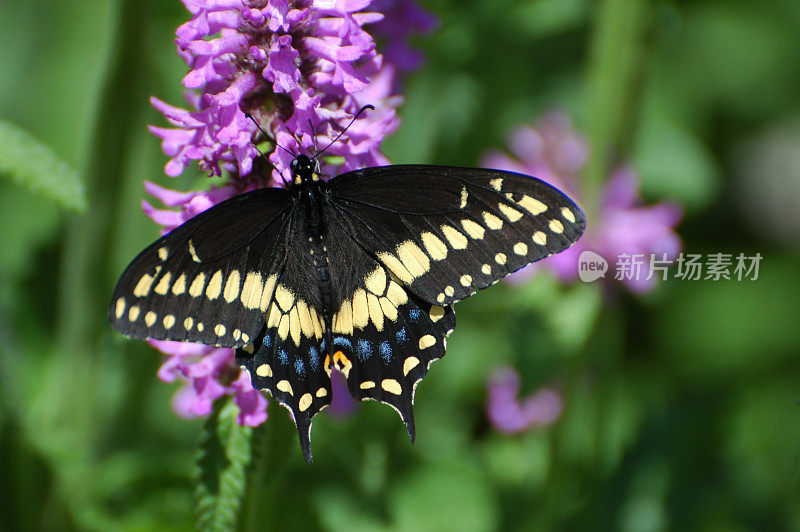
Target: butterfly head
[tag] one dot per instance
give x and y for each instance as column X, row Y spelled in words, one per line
column 304, row 169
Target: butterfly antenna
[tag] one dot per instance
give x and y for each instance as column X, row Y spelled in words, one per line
column 268, row 162
column 313, row 135
column 345, row 129
column 285, row 182
column 269, row 137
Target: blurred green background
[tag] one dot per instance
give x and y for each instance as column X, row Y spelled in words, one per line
column 681, row 406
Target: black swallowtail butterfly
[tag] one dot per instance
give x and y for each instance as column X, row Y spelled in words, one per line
column 358, row 273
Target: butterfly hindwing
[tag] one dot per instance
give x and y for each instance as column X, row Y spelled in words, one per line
column 208, row 280
column 387, row 365
column 445, row 232
column 293, row 374
column 385, row 336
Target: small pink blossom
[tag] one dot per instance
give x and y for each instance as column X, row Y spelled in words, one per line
column 209, row 374
column 342, row 403
column 511, row 414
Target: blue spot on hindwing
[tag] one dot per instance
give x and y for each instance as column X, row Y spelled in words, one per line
column 401, row 335
column 267, row 340
column 299, row 367
column 313, row 358
column 364, row 349
column 341, row 341
column 386, row 351
column 415, row 313
column 283, row 356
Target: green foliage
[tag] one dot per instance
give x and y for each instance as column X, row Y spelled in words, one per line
column 680, row 407
column 443, row 498
column 31, row 164
column 226, row 454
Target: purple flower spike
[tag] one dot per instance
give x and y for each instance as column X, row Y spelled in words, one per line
column 623, row 227
column 403, row 17
column 510, row 414
column 342, row 403
column 209, row 373
column 302, row 68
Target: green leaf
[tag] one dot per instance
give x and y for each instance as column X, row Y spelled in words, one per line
column 733, row 327
column 521, row 462
column 617, row 50
column 442, row 498
column 674, row 164
column 226, row 453
column 24, row 237
column 570, row 312
column 572, row 316
column 31, row 164
column 760, row 450
column 544, row 18
column 334, row 160
column 339, row 509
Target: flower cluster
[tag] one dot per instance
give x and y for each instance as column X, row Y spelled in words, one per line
column 302, row 68
column 508, row 414
column 555, row 153
column 402, row 18
column 210, row 374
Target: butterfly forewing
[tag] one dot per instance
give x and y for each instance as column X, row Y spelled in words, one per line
column 445, row 232
column 210, row 279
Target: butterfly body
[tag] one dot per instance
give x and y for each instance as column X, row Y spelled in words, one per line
column 356, row 274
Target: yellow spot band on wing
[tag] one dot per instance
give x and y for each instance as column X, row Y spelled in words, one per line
column 392, row 386
column 473, row 229
column 163, row 285
column 531, row 205
column 180, row 285
column 305, row 402
column 193, row 252
column 492, row 221
column 426, row 341
column 509, row 212
column 409, row 364
column 285, row 387
column 197, row 285
column 231, row 291
column 454, row 237
column 120, row 308
column 434, row 246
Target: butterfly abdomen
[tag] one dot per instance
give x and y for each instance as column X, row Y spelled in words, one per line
column 323, row 274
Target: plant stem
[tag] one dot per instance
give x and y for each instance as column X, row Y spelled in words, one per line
column 613, row 77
